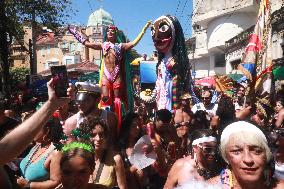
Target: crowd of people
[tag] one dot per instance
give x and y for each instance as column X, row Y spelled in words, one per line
column 221, row 141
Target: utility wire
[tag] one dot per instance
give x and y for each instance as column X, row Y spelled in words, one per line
column 181, row 15
column 177, row 7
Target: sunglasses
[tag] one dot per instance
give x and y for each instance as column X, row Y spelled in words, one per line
column 83, row 97
column 185, row 123
column 208, row 150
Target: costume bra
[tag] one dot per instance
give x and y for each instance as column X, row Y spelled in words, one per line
column 118, row 57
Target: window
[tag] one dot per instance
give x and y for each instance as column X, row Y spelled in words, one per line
column 46, row 66
column 42, row 51
column 53, row 64
column 220, row 60
column 56, row 50
column 64, row 45
column 235, row 64
column 79, row 46
column 68, row 61
column 196, row 27
column 97, row 30
column 48, row 49
column 72, row 47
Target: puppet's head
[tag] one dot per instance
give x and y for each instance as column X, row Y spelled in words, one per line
column 167, row 35
column 163, row 34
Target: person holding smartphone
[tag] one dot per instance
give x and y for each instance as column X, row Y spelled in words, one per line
column 25, row 132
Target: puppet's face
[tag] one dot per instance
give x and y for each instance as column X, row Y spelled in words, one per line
column 163, row 33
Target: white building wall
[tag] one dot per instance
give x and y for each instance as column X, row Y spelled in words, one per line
column 201, row 67
column 220, row 20
column 224, row 28
column 277, row 39
column 233, row 56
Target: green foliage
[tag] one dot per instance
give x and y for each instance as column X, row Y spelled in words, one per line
column 18, row 75
column 133, row 54
column 50, row 13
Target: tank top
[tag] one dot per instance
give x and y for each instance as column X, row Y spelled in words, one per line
column 110, row 181
column 80, row 118
column 35, row 172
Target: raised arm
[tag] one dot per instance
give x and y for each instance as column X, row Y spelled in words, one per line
column 130, row 45
column 84, row 40
column 19, row 138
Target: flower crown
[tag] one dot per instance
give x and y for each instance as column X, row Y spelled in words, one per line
column 73, row 145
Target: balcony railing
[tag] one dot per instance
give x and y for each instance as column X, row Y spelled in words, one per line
column 239, row 39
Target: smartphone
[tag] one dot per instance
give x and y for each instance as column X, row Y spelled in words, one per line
column 60, row 78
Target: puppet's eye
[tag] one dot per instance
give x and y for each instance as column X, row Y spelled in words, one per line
column 164, row 28
column 152, row 31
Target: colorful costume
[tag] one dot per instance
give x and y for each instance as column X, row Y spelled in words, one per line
column 173, row 64
column 118, row 79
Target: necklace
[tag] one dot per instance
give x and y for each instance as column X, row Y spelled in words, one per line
column 205, row 173
column 100, row 169
column 32, row 159
column 227, row 178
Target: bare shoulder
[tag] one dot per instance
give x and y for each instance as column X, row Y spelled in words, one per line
column 185, row 162
column 281, row 112
column 279, row 185
column 55, row 154
column 70, row 124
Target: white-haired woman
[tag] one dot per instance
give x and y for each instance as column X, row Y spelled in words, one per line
column 244, row 147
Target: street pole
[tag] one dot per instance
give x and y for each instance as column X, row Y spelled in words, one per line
column 34, row 57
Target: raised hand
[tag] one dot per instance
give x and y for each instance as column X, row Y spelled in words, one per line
column 76, row 34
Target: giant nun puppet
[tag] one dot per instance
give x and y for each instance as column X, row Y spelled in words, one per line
column 173, row 69
column 115, row 78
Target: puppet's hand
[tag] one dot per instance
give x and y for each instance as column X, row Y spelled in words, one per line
column 147, row 25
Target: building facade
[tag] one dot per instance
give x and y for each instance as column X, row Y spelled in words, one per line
column 235, row 47
column 62, row 49
column 214, row 23
column 220, row 32
column 65, row 49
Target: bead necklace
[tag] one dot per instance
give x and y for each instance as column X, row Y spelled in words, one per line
column 227, row 178
column 31, row 159
column 206, row 173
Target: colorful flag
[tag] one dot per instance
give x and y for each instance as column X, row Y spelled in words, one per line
column 257, row 60
column 256, row 40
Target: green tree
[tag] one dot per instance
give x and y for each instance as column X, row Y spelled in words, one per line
column 18, row 75
column 134, row 54
column 50, row 13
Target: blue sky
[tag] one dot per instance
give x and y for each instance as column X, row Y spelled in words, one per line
column 131, row 15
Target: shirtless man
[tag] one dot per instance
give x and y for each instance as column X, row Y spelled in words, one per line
column 200, row 166
column 87, row 99
column 164, row 140
column 182, row 119
column 183, row 113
